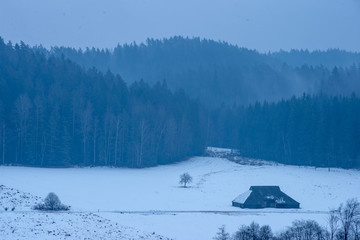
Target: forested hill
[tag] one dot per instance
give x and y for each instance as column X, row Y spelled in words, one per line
column 54, row 112
column 330, row 58
column 308, row 130
column 216, row 72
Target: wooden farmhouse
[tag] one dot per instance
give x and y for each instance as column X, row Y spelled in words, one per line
column 264, row 197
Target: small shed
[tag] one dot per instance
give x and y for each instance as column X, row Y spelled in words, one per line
column 264, row 197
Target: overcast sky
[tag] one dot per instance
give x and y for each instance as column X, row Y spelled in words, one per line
column 265, row 25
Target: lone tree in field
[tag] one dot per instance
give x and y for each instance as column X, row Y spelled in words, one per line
column 185, row 178
column 51, row 203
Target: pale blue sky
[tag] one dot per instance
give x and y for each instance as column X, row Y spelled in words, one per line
column 265, row 25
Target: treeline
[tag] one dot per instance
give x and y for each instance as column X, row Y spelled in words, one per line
column 343, row 223
column 309, row 130
column 217, row 72
column 55, row 113
column 330, row 58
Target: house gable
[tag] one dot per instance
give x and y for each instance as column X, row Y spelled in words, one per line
column 265, row 197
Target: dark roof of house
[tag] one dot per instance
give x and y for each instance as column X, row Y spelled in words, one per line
column 257, row 195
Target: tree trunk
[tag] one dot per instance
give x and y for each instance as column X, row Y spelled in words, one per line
column 43, row 150
column 116, row 140
column 36, row 136
column 94, row 139
column 159, row 140
column 3, row 144
column 84, row 151
column 73, row 122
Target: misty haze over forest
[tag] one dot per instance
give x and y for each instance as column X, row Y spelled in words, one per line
column 216, row 72
column 155, row 114
column 63, row 114
column 145, row 93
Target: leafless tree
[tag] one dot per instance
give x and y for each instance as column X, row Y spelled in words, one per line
column 117, row 136
column 242, row 233
column 185, row 178
column 95, row 133
column 85, row 124
column 222, row 234
column 348, row 215
column 43, row 147
column 107, row 135
column 22, row 109
column 333, row 223
column 304, row 230
column 77, row 102
column 38, row 112
column 265, row 232
column 254, row 229
column 2, row 133
column 356, row 229
column 170, row 147
column 161, row 128
column 3, row 141
column 141, row 141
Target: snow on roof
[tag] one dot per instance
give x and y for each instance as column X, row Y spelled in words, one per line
column 217, row 149
column 242, row 197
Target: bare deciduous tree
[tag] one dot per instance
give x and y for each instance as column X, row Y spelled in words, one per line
column 38, row 112
column 242, row 233
column 95, row 135
column 143, row 137
column 2, row 133
column 356, row 229
column 333, row 221
column 108, row 131
column 85, row 124
column 222, row 234
column 265, row 233
column 304, row 230
column 117, row 136
column 185, row 178
column 348, row 215
column 22, row 109
column 3, row 141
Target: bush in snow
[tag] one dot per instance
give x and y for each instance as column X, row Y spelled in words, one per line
column 185, row 178
column 51, row 203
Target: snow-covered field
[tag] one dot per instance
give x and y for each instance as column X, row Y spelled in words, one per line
column 151, row 199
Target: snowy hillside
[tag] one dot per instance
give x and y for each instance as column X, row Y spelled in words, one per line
column 14, row 200
column 151, row 199
column 19, row 221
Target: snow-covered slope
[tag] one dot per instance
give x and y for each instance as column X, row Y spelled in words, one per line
column 15, row 200
column 19, row 221
column 38, row 225
column 151, row 199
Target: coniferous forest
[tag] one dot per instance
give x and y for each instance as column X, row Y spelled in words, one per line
column 67, row 107
column 217, row 72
